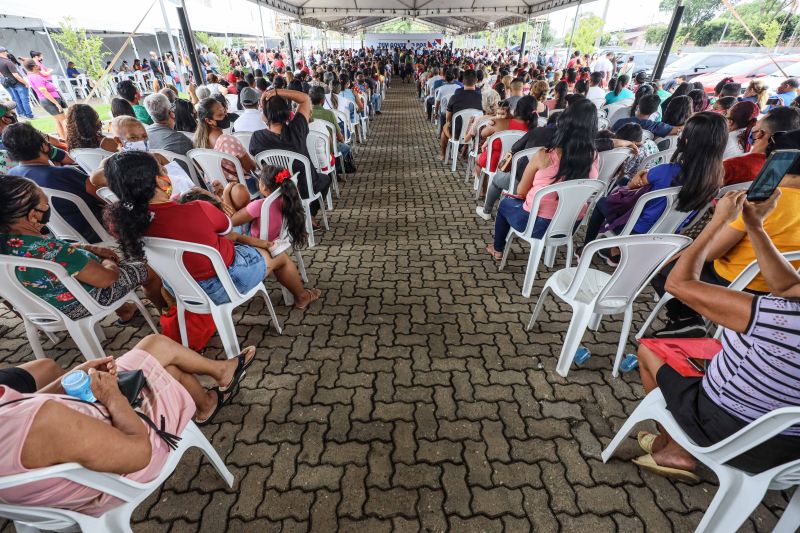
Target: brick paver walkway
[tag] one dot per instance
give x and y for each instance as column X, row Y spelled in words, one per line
column 413, row 399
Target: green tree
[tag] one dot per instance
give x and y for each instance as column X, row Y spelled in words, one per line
column 586, row 33
column 656, row 34
column 696, row 12
column 86, row 52
column 547, row 35
column 215, row 44
column 771, row 31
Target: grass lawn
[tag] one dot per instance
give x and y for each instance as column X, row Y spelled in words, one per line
column 48, row 125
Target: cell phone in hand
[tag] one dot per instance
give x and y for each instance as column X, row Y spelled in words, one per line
column 775, row 101
column 773, row 171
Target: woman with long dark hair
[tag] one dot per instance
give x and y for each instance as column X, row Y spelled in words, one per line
column 678, row 111
column 699, row 100
column 559, row 100
column 681, row 90
column 621, row 91
column 84, row 129
column 185, row 116
column 120, row 107
column 287, row 209
column 642, row 91
column 145, row 208
column 570, row 156
column 696, row 166
column 741, row 118
column 212, row 120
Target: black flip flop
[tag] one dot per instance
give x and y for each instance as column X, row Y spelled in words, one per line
column 222, row 401
column 238, row 374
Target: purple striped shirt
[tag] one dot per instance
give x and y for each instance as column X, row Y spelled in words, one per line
column 758, row 371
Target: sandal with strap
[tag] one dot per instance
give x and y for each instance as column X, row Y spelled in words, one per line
column 242, row 364
column 646, row 440
column 222, row 401
column 648, row 463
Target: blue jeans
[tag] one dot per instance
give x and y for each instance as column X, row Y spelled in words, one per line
column 20, row 95
column 344, row 148
column 511, row 214
column 247, row 270
column 376, row 102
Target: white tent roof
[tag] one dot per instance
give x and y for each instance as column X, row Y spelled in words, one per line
column 236, row 17
column 459, row 16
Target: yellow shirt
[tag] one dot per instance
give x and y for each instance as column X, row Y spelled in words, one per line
column 783, row 227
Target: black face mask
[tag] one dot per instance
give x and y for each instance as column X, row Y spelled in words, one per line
column 224, row 123
column 45, row 216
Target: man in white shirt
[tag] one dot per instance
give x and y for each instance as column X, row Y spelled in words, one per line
column 605, row 65
column 250, row 118
column 596, row 94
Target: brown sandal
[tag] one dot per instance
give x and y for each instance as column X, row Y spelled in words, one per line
column 497, row 256
column 316, row 294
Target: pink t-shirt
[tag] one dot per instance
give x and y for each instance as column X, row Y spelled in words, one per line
column 163, row 396
column 40, row 84
column 231, row 146
column 545, row 177
column 275, row 218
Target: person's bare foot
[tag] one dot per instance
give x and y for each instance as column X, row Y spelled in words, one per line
column 673, row 456
column 126, row 312
column 494, row 253
column 440, row 157
column 231, row 365
column 309, row 296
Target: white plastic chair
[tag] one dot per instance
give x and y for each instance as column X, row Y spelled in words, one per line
column 364, row 116
column 739, row 283
column 347, row 131
column 610, row 163
column 319, row 143
column 187, row 163
column 670, row 219
column 454, row 143
column 739, row 492
column 287, row 159
column 284, row 234
column 667, row 143
column 39, row 315
column 573, row 197
column 337, row 152
column 107, row 195
column 61, row 229
column 472, row 155
column 514, row 170
column 89, row 159
column 602, row 123
column 210, row 162
column 244, row 138
column 698, row 216
column 617, row 112
column 166, row 258
column 507, row 139
column 29, row 519
column 593, row 293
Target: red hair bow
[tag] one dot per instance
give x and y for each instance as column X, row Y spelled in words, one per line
column 281, row 176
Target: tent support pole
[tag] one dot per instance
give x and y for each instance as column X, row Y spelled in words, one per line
column 176, row 56
column 572, row 35
column 55, row 51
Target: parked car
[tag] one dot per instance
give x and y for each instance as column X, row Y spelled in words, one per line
column 694, row 64
column 643, row 60
column 744, row 71
column 774, row 80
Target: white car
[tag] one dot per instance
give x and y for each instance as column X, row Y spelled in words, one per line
column 697, row 63
column 774, row 80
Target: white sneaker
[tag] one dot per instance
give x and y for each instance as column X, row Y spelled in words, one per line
column 481, row 213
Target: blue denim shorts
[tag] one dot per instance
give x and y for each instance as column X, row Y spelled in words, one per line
column 247, row 270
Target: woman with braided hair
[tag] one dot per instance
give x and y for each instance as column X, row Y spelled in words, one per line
column 146, row 208
column 84, row 129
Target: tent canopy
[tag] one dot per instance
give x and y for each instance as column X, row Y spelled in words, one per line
column 457, row 16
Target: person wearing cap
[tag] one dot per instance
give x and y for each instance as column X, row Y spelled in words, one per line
column 787, row 91
column 15, row 83
column 250, row 118
column 161, row 133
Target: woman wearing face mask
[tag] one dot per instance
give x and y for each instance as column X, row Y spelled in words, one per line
column 24, row 212
column 211, row 120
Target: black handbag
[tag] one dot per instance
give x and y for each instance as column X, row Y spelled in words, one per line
column 131, row 383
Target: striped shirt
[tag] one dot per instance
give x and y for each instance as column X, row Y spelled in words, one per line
column 758, row 371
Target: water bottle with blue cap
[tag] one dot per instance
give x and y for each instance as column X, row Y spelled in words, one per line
column 78, row 385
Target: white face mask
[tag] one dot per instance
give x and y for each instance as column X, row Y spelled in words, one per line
column 135, row 145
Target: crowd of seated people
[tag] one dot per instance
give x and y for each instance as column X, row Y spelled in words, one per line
column 677, row 136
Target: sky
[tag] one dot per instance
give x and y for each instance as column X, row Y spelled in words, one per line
column 619, row 15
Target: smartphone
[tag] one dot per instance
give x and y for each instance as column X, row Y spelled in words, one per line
column 773, row 171
column 774, row 101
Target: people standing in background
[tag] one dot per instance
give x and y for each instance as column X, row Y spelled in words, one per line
column 47, row 94
column 15, row 83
